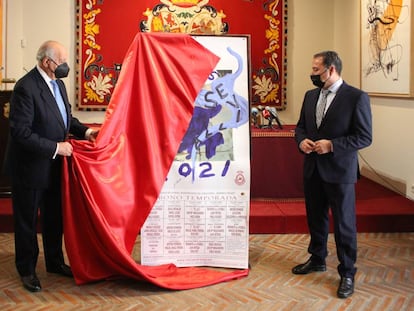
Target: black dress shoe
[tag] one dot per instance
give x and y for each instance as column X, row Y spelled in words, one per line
column 308, row 267
column 346, row 287
column 31, row 283
column 62, row 269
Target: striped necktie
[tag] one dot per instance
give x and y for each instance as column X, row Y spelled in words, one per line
column 59, row 101
column 320, row 107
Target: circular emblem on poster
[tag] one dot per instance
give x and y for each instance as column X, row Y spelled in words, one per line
column 240, row 179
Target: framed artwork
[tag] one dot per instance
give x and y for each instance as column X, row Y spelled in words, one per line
column 387, row 48
column 106, row 28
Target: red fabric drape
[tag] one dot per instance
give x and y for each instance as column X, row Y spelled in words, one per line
column 110, row 186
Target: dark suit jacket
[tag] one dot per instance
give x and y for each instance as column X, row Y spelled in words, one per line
column 36, row 126
column 347, row 123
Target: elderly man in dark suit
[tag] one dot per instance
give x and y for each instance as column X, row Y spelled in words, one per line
column 335, row 122
column 40, row 121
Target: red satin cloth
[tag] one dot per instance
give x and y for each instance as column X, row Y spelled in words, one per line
column 110, row 186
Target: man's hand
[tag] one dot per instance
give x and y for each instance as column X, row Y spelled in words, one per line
column 92, row 135
column 307, row 145
column 65, row 149
column 323, row 146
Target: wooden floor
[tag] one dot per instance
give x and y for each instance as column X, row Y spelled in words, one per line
column 385, row 281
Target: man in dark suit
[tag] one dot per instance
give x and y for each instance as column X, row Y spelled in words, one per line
column 38, row 131
column 335, row 122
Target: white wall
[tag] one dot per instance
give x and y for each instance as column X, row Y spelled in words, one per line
column 308, row 33
column 312, row 26
column 34, row 22
column 391, row 156
column 13, row 53
column 335, row 24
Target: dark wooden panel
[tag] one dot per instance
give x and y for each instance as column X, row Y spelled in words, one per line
column 5, row 187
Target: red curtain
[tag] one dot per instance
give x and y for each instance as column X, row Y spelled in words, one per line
column 110, row 186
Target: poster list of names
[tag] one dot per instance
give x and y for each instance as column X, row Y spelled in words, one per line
column 197, row 229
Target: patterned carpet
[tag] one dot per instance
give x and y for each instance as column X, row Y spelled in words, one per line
column 384, row 282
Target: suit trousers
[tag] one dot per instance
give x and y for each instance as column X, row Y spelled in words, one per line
column 26, row 206
column 340, row 199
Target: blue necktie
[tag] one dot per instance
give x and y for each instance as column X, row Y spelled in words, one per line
column 59, row 101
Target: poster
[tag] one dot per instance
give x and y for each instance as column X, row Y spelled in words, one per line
column 201, row 217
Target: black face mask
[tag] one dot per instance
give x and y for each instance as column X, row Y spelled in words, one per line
column 62, row 71
column 316, row 80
